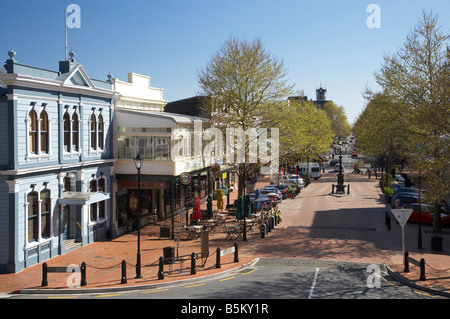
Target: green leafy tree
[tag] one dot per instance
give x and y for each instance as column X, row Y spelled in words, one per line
column 245, row 84
column 418, row 75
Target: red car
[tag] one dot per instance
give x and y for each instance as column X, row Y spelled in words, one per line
column 426, row 215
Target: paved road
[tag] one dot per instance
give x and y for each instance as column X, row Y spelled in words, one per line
column 278, row 278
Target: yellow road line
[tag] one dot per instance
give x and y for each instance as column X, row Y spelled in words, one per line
column 249, row 272
column 197, row 285
column 105, row 296
column 227, row 278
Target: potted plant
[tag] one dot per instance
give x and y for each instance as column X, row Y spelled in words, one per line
column 289, row 190
column 278, row 217
column 388, row 193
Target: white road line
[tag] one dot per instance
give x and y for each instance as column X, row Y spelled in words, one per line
column 313, row 283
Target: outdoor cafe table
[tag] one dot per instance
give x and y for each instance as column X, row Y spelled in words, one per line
column 248, row 222
column 233, row 231
column 220, row 218
column 194, row 231
column 209, row 223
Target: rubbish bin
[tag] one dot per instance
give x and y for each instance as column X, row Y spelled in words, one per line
column 436, row 243
column 169, row 255
column 164, row 231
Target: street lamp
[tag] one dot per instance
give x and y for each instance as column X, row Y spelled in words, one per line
column 138, row 161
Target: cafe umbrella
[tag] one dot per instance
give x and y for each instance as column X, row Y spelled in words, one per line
column 196, row 212
column 240, row 208
column 219, row 199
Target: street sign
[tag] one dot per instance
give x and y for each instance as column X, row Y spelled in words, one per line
column 402, row 216
column 185, row 178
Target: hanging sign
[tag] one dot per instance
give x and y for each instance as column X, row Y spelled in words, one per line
column 215, row 168
column 185, row 178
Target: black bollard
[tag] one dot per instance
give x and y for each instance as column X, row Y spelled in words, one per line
column 161, row 268
column 83, row 274
column 406, row 262
column 218, row 258
column 236, row 254
column 387, row 220
column 124, row 272
column 422, row 270
column 263, row 230
column 44, row 275
column 193, row 271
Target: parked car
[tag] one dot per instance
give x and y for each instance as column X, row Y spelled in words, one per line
column 264, row 204
column 403, row 189
column 282, row 188
column 334, row 161
column 402, row 200
column 276, row 199
column 426, row 215
column 336, row 167
column 290, row 183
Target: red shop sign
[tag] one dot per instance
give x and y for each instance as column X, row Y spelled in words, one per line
column 144, row 184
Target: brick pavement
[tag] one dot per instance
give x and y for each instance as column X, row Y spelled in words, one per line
column 315, row 225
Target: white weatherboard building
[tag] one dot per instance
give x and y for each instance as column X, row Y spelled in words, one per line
column 142, row 127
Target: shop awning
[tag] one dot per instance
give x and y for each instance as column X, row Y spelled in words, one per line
column 82, row 198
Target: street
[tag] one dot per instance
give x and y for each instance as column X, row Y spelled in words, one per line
column 278, row 278
column 320, row 256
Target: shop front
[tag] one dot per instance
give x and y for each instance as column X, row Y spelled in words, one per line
column 152, row 202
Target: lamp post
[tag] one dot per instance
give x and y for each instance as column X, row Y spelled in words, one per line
column 138, row 163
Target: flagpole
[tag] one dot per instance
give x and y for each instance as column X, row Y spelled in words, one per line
column 65, row 24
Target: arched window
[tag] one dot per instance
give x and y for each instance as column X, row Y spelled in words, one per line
column 75, row 136
column 33, row 214
column 32, row 132
column 93, row 132
column 45, row 213
column 43, row 121
column 101, row 126
column 66, row 120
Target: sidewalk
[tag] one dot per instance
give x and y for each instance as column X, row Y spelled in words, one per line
column 356, row 234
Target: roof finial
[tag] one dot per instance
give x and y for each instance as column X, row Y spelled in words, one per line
column 12, row 54
column 71, row 54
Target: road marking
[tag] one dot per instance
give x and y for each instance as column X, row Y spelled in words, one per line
column 422, row 293
column 313, row 283
column 106, row 296
column 194, row 285
column 249, row 272
column 227, row 278
column 151, row 291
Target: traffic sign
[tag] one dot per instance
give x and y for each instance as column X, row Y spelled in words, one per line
column 402, row 215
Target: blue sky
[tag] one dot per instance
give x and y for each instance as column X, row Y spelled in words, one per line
column 321, row 42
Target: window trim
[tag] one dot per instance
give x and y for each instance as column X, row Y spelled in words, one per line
column 38, row 153
column 69, row 149
column 39, row 240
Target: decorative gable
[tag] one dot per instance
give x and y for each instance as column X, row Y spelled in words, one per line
column 78, row 77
